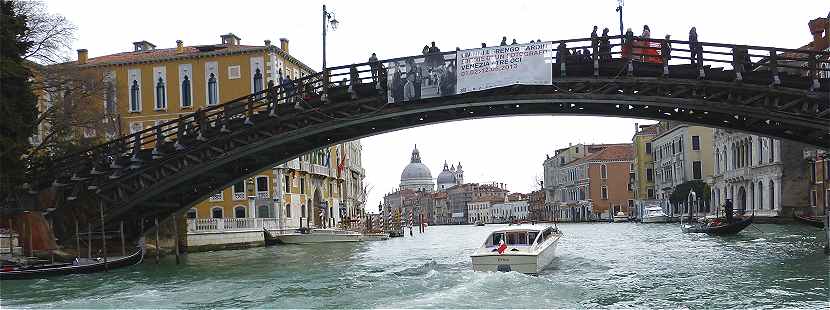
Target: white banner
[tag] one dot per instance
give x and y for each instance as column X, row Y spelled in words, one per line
column 491, row 67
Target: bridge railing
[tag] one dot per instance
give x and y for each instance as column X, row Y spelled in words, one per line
column 231, row 224
column 372, row 78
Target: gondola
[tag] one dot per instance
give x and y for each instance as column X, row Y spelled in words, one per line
column 809, row 220
column 719, row 229
column 81, row 265
column 269, row 239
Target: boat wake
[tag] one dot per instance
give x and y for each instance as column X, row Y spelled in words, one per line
column 418, row 270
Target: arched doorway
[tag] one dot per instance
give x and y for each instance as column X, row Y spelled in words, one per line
column 317, row 208
column 741, row 199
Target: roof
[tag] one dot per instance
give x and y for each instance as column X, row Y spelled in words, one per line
column 166, row 54
column 652, row 129
column 608, row 152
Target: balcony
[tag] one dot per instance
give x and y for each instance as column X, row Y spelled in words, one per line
column 319, row 169
column 293, row 164
column 231, row 225
column 263, row 195
column 220, row 196
column 239, row 196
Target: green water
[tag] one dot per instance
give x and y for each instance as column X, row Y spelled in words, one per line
column 597, row 266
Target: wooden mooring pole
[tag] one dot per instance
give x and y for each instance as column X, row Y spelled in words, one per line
column 89, row 240
column 103, row 235
column 157, row 240
column 176, row 240
column 826, row 232
column 123, row 246
column 77, row 239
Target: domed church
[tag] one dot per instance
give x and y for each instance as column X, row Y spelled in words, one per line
column 450, row 177
column 416, row 175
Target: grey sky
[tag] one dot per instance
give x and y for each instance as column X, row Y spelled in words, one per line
column 508, row 150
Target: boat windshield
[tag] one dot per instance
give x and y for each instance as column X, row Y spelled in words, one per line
column 497, row 237
column 531, row 236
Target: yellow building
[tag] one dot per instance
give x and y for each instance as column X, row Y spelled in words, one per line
column 147, row 86
column 643, row 178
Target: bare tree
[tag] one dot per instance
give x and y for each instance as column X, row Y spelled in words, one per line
column 51, row 35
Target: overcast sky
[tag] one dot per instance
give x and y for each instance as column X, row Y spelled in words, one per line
column 508, row 150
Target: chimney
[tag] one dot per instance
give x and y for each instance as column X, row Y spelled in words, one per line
column 83, row 55
column 636, row 127
column 143, row 46
column 284, row 45
column 268, row 43
column 179, row 46
column 230, row 39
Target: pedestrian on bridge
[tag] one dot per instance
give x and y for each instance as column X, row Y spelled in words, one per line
column 374, row 65
column 562, row 53
column 503, row 41
column 514, row 42
column 605, row 46
column 594, row 40
column 694, row 47
column 483, row 45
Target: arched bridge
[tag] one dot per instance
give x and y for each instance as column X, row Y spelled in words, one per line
column 152, row 173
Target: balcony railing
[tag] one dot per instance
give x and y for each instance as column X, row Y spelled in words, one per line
column 319, row 169
column 220, row 196
column 263, row 195
column 239, row 196
column 231, row 224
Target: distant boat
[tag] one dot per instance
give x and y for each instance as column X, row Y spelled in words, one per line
column 320, row 235
column 522, row 248
column 80, row 265
column 620, row 217
column 479, row 223
column 654, row 214
column 814, row 221
column 374, row 237
column 718, row 228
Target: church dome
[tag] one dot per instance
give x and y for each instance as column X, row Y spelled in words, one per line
column 416, row 175
column 446, row 176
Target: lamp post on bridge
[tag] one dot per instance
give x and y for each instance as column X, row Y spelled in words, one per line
column 619, row 9
column 328, row 17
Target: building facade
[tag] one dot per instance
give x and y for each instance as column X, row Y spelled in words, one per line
column 147, row 86
column 593, row 185
column 643, row 176
column 682, row 153
column 762, row 175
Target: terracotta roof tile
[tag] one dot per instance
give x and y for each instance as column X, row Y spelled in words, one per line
column 159, row 54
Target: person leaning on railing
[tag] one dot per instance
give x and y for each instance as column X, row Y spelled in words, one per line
column 605, row 46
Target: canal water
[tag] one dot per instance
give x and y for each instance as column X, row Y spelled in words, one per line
column 597, row 266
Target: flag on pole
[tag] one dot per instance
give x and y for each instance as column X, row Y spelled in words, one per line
column 502, row 247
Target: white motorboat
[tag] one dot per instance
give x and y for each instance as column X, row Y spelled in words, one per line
column 620, row 217
column 654, row 214
column 521, row 248
column 320, row 236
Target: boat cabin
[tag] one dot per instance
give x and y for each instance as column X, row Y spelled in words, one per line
column 519, row 237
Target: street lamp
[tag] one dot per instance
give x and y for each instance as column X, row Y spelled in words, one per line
column 328, row 18
column 619, row 9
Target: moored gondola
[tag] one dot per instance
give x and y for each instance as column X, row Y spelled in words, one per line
column 809, row 220
column 80, row 265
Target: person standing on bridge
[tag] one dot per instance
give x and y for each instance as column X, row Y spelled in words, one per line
column 665, row 52
column 605, row 46
column 503, row 41
column 514, row 42
column 594, row 40
column 562, row 53
column 483, row 45
column 374, row 65
column 694, row 47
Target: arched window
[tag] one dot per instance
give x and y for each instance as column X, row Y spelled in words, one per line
column 717, row 160
column 213, row 92
column 603, row 171
column 771, row 195
column 257, row 81
column 160, row 98
column 263, row 211
column 771, row 150
column 191, row 214
column 302, row 211
column 760, row 195
column 751, row 195
column 110, row 98
column 288, row 210
column 216, row 212
column 187, row 101
column 239, row 212
column 749, row 153
column 135, row 96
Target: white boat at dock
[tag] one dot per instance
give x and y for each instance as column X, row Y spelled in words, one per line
column 320, row 235
column 521, row 248
column 374, row 237
column 620, row 217
column 654, row 214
